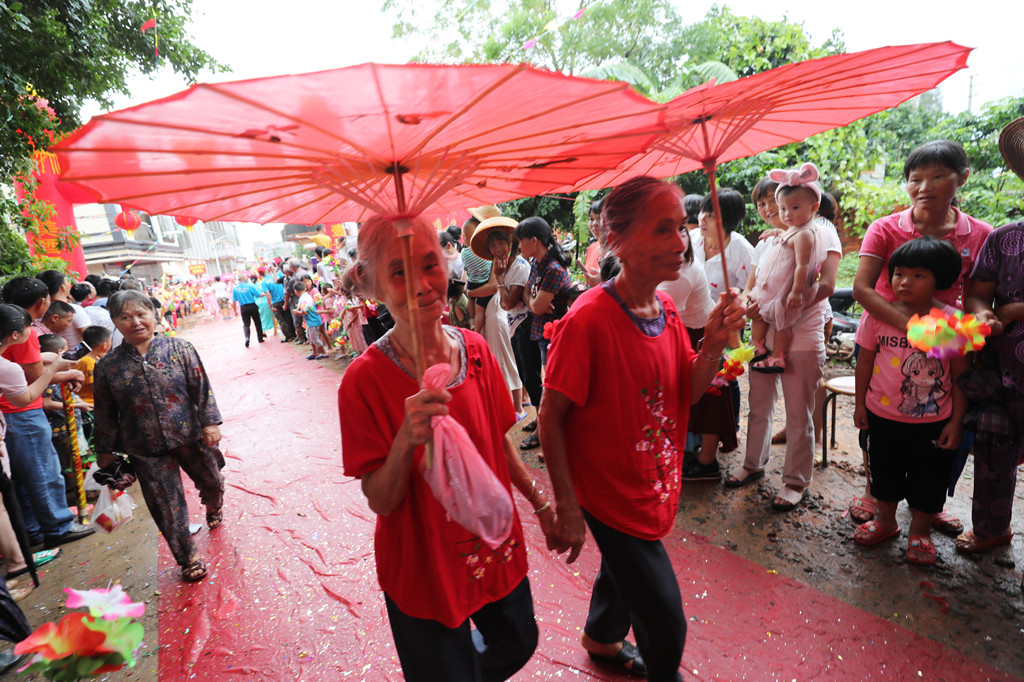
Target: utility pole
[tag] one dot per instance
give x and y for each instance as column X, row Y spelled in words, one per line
column 970, row 92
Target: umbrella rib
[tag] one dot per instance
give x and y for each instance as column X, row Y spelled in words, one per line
column 618, row 87
column 203, row 132
column 225, row 93
column 118, row 199
column 193, row 152
column 468, row 106
column 203, row 171
column 219, row 198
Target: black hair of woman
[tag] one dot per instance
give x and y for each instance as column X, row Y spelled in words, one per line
column 692, row 203
column 732, row 205
column 946, row 153
column 929, row 253
column 827, row 207
column 536, row 227
column 13, row 318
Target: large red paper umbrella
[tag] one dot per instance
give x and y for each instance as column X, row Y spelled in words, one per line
column 712, row 124
column 333, row 146
column 339, row 145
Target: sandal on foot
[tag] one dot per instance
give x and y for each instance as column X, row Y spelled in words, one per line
column 769, row 365
column 871, row 534
column 627, row 659
column 531, row 427
column 944, row 522
column 740, row 477
column 787, row 499
column 863, row 509
column 214, row 517
column 194, row 572
column 921, row 550
column 531, row 442
column 969, row 543
column 19, row 593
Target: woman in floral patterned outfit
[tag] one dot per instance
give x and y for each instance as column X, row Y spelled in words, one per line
column 621, row 377
column 153, row 402
column 436, row 575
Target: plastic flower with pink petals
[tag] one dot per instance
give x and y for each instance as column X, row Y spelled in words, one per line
column 109, row 604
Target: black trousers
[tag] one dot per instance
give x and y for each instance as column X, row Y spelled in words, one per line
column 637, row 586
column 284, row 318
column 251, row 313
column 503, row 641
column 527, row 354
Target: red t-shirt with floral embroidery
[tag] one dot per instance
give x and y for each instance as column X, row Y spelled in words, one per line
column 430, row 566
column 625, row 431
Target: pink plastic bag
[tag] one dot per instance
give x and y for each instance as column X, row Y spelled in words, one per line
column 460, row 478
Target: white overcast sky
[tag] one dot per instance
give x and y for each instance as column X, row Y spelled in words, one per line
column 269, row 37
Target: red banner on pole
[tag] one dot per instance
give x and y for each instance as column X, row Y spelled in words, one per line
column 61, row 220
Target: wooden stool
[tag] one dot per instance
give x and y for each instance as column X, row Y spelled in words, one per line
column 835, row 386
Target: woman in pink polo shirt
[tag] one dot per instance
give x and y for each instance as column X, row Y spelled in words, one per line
column 933, row 173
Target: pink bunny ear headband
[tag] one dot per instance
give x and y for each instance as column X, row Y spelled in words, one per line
column 805, row 176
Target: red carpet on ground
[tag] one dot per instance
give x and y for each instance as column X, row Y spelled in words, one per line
column 292, row 590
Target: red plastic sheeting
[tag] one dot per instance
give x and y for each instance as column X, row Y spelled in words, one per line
column 292, row 591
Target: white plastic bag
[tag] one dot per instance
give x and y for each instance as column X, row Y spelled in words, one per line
column 461, row 480
column 113, row 509
column 90, row 483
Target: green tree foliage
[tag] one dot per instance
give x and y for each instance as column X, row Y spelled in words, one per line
column 646, row 33
column 750, row 45
column 55, row 55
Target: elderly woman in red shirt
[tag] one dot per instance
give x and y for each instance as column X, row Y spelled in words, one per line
column 621, row 377
column 436, row 575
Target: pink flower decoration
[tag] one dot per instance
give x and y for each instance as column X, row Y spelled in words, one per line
column 109, row 604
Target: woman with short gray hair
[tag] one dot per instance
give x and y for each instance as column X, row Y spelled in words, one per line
column 155, row 404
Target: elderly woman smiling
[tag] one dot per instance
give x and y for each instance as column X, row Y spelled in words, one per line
column 155, row 404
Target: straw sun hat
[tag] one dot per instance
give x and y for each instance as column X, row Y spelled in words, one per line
column 1011, row 146
column 479, row 240
column 482, row 213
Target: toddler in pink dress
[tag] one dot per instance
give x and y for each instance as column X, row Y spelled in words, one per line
column 786, row 275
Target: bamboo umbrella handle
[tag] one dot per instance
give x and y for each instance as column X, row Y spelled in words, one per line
column 76, row 456
column 414, row 322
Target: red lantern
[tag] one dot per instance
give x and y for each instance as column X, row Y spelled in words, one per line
column 129, row 221
column 187, row 222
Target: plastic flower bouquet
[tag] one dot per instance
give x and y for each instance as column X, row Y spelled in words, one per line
column 83, row 645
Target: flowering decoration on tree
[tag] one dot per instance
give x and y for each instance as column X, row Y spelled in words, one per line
column 86, row 645
column 732, row 368
column 946, row 335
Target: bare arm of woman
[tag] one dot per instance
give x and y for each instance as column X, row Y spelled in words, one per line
column 978, row 300
column 725, row 321
column 868, row 270
column 38, row 386
column 803, row 244
column 527, row 486
column 386, row 487
column 827, row 276
column 569, row 531
column 541, row 303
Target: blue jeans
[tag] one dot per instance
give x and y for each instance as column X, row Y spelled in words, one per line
column 35, row 470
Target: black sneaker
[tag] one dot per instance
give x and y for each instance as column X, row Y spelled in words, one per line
column 695, row 471
column 76, row 532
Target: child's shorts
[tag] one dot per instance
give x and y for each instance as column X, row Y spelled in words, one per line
column 481, row 301
column 904, row 464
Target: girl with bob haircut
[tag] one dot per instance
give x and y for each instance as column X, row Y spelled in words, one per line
column 909, row 403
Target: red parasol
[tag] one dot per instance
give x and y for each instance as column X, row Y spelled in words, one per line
column 712, row 124
column 337, row 145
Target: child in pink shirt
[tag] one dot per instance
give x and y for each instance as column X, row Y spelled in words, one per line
column 909, row 403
